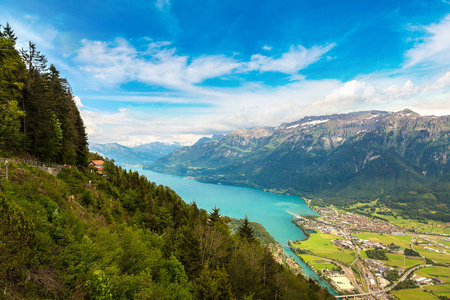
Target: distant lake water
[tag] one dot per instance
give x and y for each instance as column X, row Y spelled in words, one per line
column 273, row 211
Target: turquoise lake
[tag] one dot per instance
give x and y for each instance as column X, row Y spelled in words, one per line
column 273, row 211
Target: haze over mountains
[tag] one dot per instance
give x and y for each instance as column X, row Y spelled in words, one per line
column 356, row 155
column 137, row 155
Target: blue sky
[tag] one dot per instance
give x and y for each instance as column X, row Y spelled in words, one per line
column 172, row 70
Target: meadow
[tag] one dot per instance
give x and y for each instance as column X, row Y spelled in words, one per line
column 435, row 271
column 318, row 263
column 413, row 294
column 320, row 244
column 399, row 260
column 401, row 240
column 442, row 290
column 437, row 257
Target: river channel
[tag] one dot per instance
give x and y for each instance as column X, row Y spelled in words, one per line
column 273, row 211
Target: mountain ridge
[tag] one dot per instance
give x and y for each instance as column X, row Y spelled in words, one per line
column 360, row 155
column 135, row 155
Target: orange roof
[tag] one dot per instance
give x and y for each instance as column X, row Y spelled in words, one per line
column 97, row 162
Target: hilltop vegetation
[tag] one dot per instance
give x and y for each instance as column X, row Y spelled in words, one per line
column 343, row 159
column 38, row 115
column 82, row 236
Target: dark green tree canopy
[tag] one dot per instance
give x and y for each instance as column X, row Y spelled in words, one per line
column 37, row 112
column 246, row 231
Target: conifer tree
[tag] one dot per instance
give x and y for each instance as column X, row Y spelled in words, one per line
column 214, row 216
column 246, row 231
column 12, row 72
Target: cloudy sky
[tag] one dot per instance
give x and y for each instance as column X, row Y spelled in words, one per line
column 177, row 70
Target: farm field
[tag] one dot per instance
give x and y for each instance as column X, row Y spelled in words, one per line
column 402, row 241
column 400, row 261
column 414, row 294
column 318, row 263
column 440, row 272
column 447, row 243
column 321, row 245
column 442, row 290
column 437, row 257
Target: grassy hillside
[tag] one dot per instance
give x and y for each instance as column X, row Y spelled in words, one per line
column 84, row 236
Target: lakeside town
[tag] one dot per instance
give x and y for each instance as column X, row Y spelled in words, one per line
column 368, row 257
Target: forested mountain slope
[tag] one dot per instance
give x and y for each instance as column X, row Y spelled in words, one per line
column 354, row 156
column 79, row 236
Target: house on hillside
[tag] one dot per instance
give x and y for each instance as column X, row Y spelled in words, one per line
column 98, row 164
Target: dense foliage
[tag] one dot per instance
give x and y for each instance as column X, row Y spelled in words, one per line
column 37, row 113
column 377, row 254
column 83, row 236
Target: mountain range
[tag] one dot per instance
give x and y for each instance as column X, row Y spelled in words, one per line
column 136, row 155
column 360, row 155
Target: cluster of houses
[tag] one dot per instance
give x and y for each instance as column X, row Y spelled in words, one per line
column 280, row 257
column 378, row 269
column 426, row 281
column 354, row 222
column 343, row 244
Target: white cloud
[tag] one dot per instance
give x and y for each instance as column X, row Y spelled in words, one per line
column 434, row 48
column 163, row 5
column 350, row 93
column 401, row 91
column 77, row 101
column 117, row 62
column 267, row 48
column 296, row 59
column 442, row 82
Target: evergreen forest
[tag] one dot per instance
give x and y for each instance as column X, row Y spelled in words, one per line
column 38, row 116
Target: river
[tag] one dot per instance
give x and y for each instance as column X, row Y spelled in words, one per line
column 273, row 211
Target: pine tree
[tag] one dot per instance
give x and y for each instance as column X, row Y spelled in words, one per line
column 12, row 76
column 9, row 33
column 214, row 216
column 246, row 231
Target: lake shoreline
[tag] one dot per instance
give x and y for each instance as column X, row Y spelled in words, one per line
column 272, row 210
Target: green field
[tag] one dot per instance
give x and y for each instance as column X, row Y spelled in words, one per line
column 318, row 263
column 320, row 244
column 440, row 290
column 399, row 260
column 414, row 294
column 402, row 241
column 447, row 243
column 437, row 257
column 440, row 272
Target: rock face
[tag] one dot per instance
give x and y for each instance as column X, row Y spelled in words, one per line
column 358, row 154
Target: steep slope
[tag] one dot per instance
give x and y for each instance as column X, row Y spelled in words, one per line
column 361, row 154
column 84, row 236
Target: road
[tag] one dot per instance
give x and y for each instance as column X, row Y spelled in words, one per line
column 347, row 271
column 405, row 275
